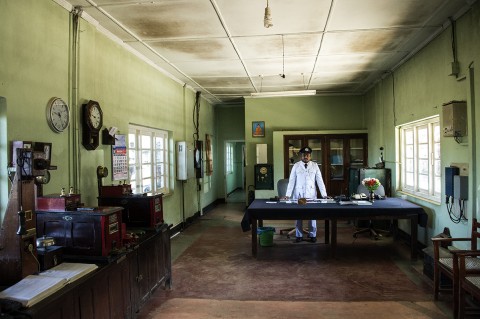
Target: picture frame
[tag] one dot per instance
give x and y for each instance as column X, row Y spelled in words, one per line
column 258, row 129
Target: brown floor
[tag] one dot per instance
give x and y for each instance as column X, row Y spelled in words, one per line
column 215, row 276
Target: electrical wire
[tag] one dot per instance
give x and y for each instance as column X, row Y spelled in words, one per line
column 30, row 249
column 196, row 116
column 454, row 47
column 283, row 59
column 456, row 217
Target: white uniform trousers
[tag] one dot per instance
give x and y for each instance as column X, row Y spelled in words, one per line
column 312, row 228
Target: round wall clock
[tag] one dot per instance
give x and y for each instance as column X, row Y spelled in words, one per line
column 94, row 115
column 58, row 115
column 92, row 122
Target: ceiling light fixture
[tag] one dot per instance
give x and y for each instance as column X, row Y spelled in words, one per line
column 267, row 19
column 284, row 93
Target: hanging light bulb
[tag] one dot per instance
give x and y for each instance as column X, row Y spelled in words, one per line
column 267, row 19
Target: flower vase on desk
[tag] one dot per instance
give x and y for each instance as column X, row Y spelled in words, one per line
column 371, row 196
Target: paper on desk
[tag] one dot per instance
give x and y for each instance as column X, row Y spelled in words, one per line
column 354, row 202
column 363, row 202
column 33, row 289
column 69, row 271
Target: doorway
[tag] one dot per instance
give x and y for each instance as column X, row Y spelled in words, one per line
column 235, row 171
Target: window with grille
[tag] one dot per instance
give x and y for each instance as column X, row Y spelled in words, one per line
column 148, row 160
column 420, row 171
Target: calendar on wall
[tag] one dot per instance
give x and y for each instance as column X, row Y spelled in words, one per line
column 119, row 158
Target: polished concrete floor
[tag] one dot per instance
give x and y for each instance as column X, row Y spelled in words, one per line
column 215, row 276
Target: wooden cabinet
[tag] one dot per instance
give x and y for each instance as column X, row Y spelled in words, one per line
column 115, row 290
column 334, row 153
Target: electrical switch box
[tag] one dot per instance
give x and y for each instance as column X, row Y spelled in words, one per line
column 460, row 187
column 450, row 173
column 454, row 119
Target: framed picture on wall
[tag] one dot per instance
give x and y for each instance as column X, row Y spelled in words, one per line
column 258, row 129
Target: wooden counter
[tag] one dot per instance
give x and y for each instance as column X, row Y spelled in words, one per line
column 117, row 289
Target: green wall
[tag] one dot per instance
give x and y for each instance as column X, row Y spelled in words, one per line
column 417, row 90
column 37, row 62
column 305, row 113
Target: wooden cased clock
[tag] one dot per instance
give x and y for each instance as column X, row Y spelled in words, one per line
column 263, row 176
column 92, row 122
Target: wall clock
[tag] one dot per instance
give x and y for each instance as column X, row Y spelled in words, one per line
column 58, row 115
column 92, row 122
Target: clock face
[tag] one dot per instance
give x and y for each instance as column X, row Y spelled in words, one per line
column 58, row 115
column 263, row 170
column 95, row 116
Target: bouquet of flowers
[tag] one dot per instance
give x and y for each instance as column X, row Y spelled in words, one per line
column 371, row 183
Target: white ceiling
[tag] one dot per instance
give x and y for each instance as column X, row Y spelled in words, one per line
column 221, row 47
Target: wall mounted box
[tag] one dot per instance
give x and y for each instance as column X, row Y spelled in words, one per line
column 460, row 187
column 454, row 119
column 182, row 161
column 262, row 153
column 263, row 176
column 450, row 172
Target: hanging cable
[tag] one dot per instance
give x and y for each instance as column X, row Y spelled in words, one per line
column 283, row 59
column 456, row 217
column 196, row 116
column 454, row 46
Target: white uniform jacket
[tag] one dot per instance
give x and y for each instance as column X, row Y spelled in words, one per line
column 301, row 183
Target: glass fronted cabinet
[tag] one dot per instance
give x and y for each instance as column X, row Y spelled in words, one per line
column 334, row 153
column 294, row 143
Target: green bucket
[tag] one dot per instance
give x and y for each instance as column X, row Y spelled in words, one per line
column 265, row 236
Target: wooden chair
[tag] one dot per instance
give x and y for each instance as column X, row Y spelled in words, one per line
column 468, row 284
column 449, row 265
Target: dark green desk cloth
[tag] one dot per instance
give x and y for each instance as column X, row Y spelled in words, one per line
column 390, row 208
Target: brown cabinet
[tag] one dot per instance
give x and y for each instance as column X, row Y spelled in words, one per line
column 117, row 289
column 334, row 154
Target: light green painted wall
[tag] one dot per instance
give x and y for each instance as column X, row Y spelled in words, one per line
column 306, row 113
column 417, row 90
column 34, row 66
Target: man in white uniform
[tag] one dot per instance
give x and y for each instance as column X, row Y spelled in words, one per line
column 301, row 184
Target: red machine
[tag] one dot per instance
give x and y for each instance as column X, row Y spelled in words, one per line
column 55, row 202
column 139, row 210
column 94, row 232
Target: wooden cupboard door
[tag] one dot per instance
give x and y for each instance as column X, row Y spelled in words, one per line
column 292, row 146
column 336, row 160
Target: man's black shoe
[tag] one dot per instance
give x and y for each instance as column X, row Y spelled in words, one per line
column 298, row 239
column 312, row 239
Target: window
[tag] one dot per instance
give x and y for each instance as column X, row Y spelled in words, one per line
column 420, row 172
column 229, row 158
column 148, row 162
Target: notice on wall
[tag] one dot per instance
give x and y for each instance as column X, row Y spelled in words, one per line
column 119, row 158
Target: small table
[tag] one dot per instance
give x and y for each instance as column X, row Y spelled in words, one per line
column 390, row 208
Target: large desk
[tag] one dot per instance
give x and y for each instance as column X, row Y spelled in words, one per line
column 390, row 208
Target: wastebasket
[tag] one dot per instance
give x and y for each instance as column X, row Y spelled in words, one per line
column 265, row 236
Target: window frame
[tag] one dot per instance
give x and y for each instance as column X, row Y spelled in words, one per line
column 229, row 158
column 419, row 142
column 157, row 157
